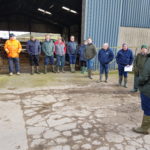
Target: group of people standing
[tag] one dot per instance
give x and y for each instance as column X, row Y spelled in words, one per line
column 87, row 53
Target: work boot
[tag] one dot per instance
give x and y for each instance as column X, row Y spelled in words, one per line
column 90, row 74
column 53, row 69
column 120, row 80
column 145, row 127
column 73, row 68
column 134, row 90
column 100, row 78
column 32, row 70
column 37, row 70
column 106, row 77
column 62, row 69
column 57, row 69
column 125, row 82
column 45, row 69
column 82, row 70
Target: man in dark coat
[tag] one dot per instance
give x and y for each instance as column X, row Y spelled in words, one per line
column 72, row 52
column 139, row 65
column 34, row 51
column 144, row 87
column 124, row 58
column 105, row 56
column 82, row 58
column 90, row 53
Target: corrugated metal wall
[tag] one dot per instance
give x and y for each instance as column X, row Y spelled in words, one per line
column 102, row 20
column 136, row 13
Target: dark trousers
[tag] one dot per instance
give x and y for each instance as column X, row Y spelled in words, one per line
column 34, row 60
column 145, row 103
column 60, row 61
column 12, row 62
column 121, row 71
column 72, row 58
column 49, row 60
column 104, row 68
column 136, row 78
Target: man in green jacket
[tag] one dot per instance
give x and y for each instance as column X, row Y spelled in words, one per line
column 138, row 65
column 90, row 53
column 144, row 87
column 48, row 48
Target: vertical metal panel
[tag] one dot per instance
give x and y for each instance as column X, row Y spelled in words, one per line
column 136, row 13
column 102, row 22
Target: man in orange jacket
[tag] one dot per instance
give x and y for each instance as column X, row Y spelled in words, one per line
column 13, row 49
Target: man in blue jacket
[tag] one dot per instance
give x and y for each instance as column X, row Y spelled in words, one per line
column 124, row 58
column 105, row 56
column 81, row 53
column 72, row 52
column 34, row 50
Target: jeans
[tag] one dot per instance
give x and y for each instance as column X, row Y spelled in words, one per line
column 145, row 103
column 12, row 62
column 49, row 60
column 60, row 61
column 104, row 68
column 72, row 58
column 121, row 71
column 90, row 64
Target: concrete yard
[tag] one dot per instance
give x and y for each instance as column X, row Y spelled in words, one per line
column 68, row 112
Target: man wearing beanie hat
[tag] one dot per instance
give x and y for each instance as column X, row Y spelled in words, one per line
column 13, row 49
column 139, row 65
column 144, row 88
column 34, row 50
column 124, row 58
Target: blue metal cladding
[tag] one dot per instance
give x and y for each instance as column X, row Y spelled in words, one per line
column 102, row 22
column 103, row 18
column 135, row 13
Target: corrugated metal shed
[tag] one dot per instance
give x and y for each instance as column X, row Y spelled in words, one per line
column 102, row 21
column 136, row 13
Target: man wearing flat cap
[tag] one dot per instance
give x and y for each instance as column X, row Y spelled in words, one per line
column 13, row 49
column 139, row 65
column 34, row 51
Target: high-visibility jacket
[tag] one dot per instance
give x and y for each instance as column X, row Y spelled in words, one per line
column 13, row 48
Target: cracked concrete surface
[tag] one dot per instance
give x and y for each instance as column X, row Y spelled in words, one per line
column 82, row 115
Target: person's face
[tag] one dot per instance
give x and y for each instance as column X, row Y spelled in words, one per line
column 59, row 40
column 89, row 41
column 144, row 50
column 125, row 47
column 12, row 38
column 47, row 37
column 105, row 46
column 72, row 38
column 33, row 39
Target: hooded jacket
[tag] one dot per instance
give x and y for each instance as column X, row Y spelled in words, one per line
column 13, row 48
column 144, row 78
